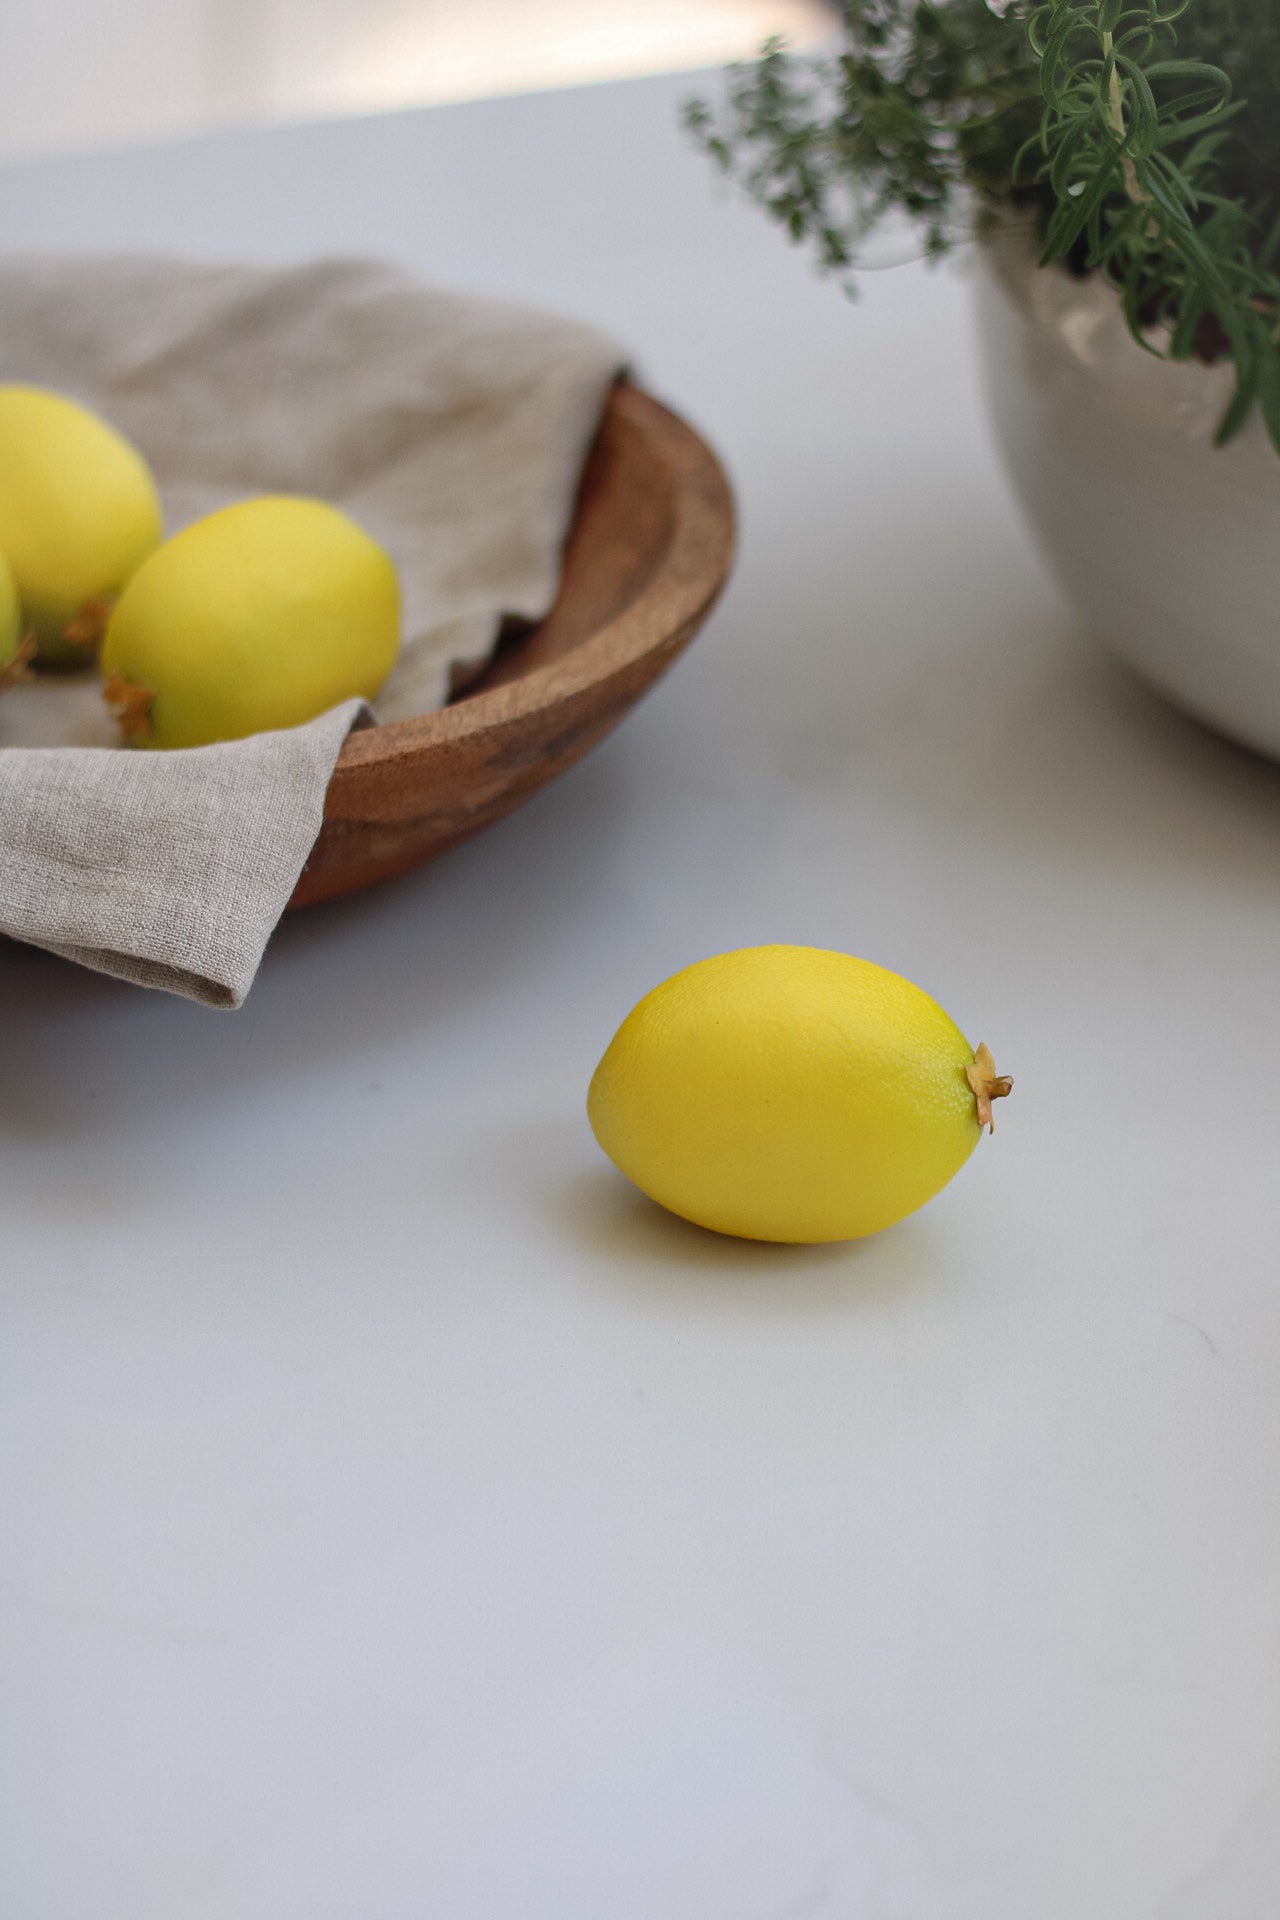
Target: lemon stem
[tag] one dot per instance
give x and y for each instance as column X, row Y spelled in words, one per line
column 987, row 1084
column 131, row 706
column 86, row 628
column 19, row 668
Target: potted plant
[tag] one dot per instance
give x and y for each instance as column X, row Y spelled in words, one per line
column 1122, row 165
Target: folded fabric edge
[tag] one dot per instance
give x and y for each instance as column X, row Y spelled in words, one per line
column 156, row 947
column 206, row 992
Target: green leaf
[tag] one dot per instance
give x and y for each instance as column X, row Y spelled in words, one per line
column 1182, row 343
column 1072, row 216
column 1241, row 403
column 1144, row 115
column 1062, row 173
column 1269, row 391
column 1191, row 70
column 1131, row 296
column 1176, row 129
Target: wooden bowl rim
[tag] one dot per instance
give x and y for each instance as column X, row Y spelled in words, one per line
column 681, row 584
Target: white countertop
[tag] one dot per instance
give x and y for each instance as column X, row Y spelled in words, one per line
column 402, row 1520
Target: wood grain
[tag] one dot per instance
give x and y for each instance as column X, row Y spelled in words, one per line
column 649, row 549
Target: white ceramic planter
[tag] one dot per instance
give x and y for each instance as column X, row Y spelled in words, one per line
column 1168, row 546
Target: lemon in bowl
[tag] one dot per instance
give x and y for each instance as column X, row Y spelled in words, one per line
column 261, row 615
column 13, row 648
column 79, row 513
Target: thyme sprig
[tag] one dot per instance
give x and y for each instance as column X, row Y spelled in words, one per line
column 1142, row 141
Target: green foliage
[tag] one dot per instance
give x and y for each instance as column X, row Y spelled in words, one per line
column 1142, row 141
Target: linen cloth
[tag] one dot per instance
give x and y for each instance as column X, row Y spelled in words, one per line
column 452, row 428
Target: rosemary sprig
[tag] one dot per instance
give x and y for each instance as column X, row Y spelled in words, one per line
column 1143, row 141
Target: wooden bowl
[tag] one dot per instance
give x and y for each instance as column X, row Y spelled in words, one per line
column 648, row 551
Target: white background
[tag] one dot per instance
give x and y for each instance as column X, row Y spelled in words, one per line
column 401, row 1517
column 89, row 73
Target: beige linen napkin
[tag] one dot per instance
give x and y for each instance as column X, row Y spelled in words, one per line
column 452, row 428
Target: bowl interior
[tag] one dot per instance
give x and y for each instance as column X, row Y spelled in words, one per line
column 618, row 540
column 648, row 550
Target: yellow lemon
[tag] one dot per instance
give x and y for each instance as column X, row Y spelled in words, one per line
column 11, row 647
column 263, row 615
column 787, row 1093
column 78, row 512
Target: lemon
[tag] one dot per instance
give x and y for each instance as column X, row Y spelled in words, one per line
column 78, row 512
column 262, row 615
column 788, row 1093
column 11, row 648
